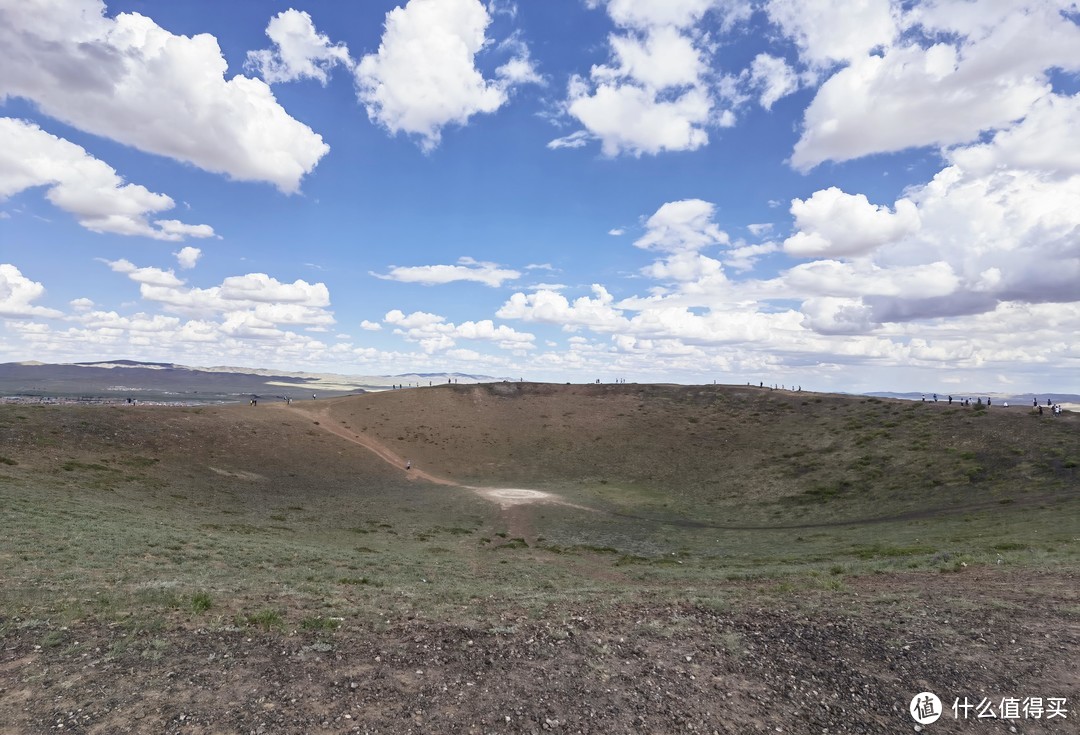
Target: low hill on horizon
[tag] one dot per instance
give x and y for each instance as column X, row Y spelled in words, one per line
column 119, row 380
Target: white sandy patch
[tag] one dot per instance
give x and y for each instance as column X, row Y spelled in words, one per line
column 507, row 497
column 241, row 474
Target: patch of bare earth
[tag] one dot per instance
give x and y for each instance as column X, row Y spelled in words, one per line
column 850, row 665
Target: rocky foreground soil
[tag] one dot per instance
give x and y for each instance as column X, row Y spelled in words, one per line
column 850, row 663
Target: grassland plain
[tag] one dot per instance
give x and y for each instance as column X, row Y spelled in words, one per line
column 716, row 558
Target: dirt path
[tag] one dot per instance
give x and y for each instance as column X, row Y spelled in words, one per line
column 326, row 423
column 505, row 498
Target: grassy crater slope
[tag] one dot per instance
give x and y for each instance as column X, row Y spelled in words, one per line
column 669, row 489
column 732, row 456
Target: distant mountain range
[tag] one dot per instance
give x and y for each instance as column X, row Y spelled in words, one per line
column 168, row 382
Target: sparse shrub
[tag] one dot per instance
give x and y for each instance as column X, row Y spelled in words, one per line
column 599, row 549
column 5, row 460
column 265, row 619
column 319, row 623
column 514, row 543
column 201, row 602
column 52, row 639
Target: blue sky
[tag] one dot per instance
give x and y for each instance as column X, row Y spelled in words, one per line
column 843, row 196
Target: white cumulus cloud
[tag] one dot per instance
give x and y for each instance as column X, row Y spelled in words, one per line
column 149, row 275
column 551, row 307
column 937, row 74
column 17, row 292
column 681, row 226
column 774, row 77
column 827, row 32
column 259, row 287
column 675, row 13
column 255, row 303
column 128, row 79
column 627, row 118
column 833, row 223
column 1045, row 140
column 433, row 333
column 299, row 51
column 467, row 269
column 188, row 256
column 655, row 94
column 82, row 185
column 424, row 75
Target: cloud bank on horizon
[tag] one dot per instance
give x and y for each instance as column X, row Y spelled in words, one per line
column 842, row 196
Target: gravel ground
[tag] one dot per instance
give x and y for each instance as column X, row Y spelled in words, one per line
column 850, row 663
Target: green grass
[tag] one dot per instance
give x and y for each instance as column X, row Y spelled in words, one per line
column 265, row 619
column 173, row 539
column 201, row 602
